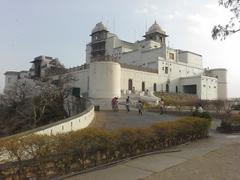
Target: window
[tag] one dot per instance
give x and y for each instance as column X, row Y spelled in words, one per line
column 171, row 56
column 180, row 71
column 204, row 85
column 167, row 88
column 176, row 89
column 163, row 68
column 170, row 70
column 215, row 87
column 154, row 87
column 9, row 80
column 166, row 70
column 143, row 86
column 130, row 84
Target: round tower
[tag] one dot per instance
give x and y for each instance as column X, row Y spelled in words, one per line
column 221, row 75
column 104, row 79
column 104, row 72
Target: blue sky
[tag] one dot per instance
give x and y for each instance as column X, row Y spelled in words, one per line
column 61, row 28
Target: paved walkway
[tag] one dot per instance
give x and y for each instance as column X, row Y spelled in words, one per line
column 113, row 120
column 221, row 164
column 216, row 157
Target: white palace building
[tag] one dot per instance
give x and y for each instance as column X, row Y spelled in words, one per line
column 118, row 68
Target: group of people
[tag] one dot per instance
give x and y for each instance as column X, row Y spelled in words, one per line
column 139, row 105
column 128, row 103
column 115, row 104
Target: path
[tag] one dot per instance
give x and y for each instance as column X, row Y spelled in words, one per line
column 221, row 164
column 113, row 120
column 216, row 157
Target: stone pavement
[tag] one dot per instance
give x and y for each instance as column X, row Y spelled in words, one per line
column 216, row 157
column 221, row 164
column 113, row 120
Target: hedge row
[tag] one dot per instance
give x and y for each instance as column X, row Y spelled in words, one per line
column 46, row 156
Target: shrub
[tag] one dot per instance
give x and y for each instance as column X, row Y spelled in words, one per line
column 205, row 115
column 89, row 147
column 235, row 118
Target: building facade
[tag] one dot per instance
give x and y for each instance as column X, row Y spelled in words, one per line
column 115, row 68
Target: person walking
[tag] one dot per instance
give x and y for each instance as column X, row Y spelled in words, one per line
column 113, row 103
column 161, row 106
column 140, row 106
column 116, row 104
column 128, row 104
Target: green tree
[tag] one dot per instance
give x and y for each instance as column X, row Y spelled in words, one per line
column 233, row 26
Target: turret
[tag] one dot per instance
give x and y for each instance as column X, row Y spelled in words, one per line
column 156, row 33
column 98, row 44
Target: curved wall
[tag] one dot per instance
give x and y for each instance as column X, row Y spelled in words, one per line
column 77, row 122
column 104, row 79
column 73, row 123
column 221, row 75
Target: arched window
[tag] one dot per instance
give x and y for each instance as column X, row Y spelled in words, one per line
column 167, row 88
column 143, row 86
column 130, row 84
column 154, row 87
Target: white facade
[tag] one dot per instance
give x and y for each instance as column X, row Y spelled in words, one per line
column 114, row 66
column 104, row 81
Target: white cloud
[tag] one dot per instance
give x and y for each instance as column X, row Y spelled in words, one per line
column 185, row 2
column 174, row 15
column 150, row 9
column 211, row 6
column 170, row 16
column 196, row 18
column 141, row 11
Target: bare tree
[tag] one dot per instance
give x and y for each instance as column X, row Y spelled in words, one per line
column 233, row 26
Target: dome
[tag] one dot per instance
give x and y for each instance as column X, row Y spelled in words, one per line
column 155, row 28
column 99, row 27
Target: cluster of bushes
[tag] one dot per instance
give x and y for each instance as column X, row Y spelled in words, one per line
column 178, row 100
column 205, row 115
column 48, row 156
column 230, row 125
column 181, row 101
